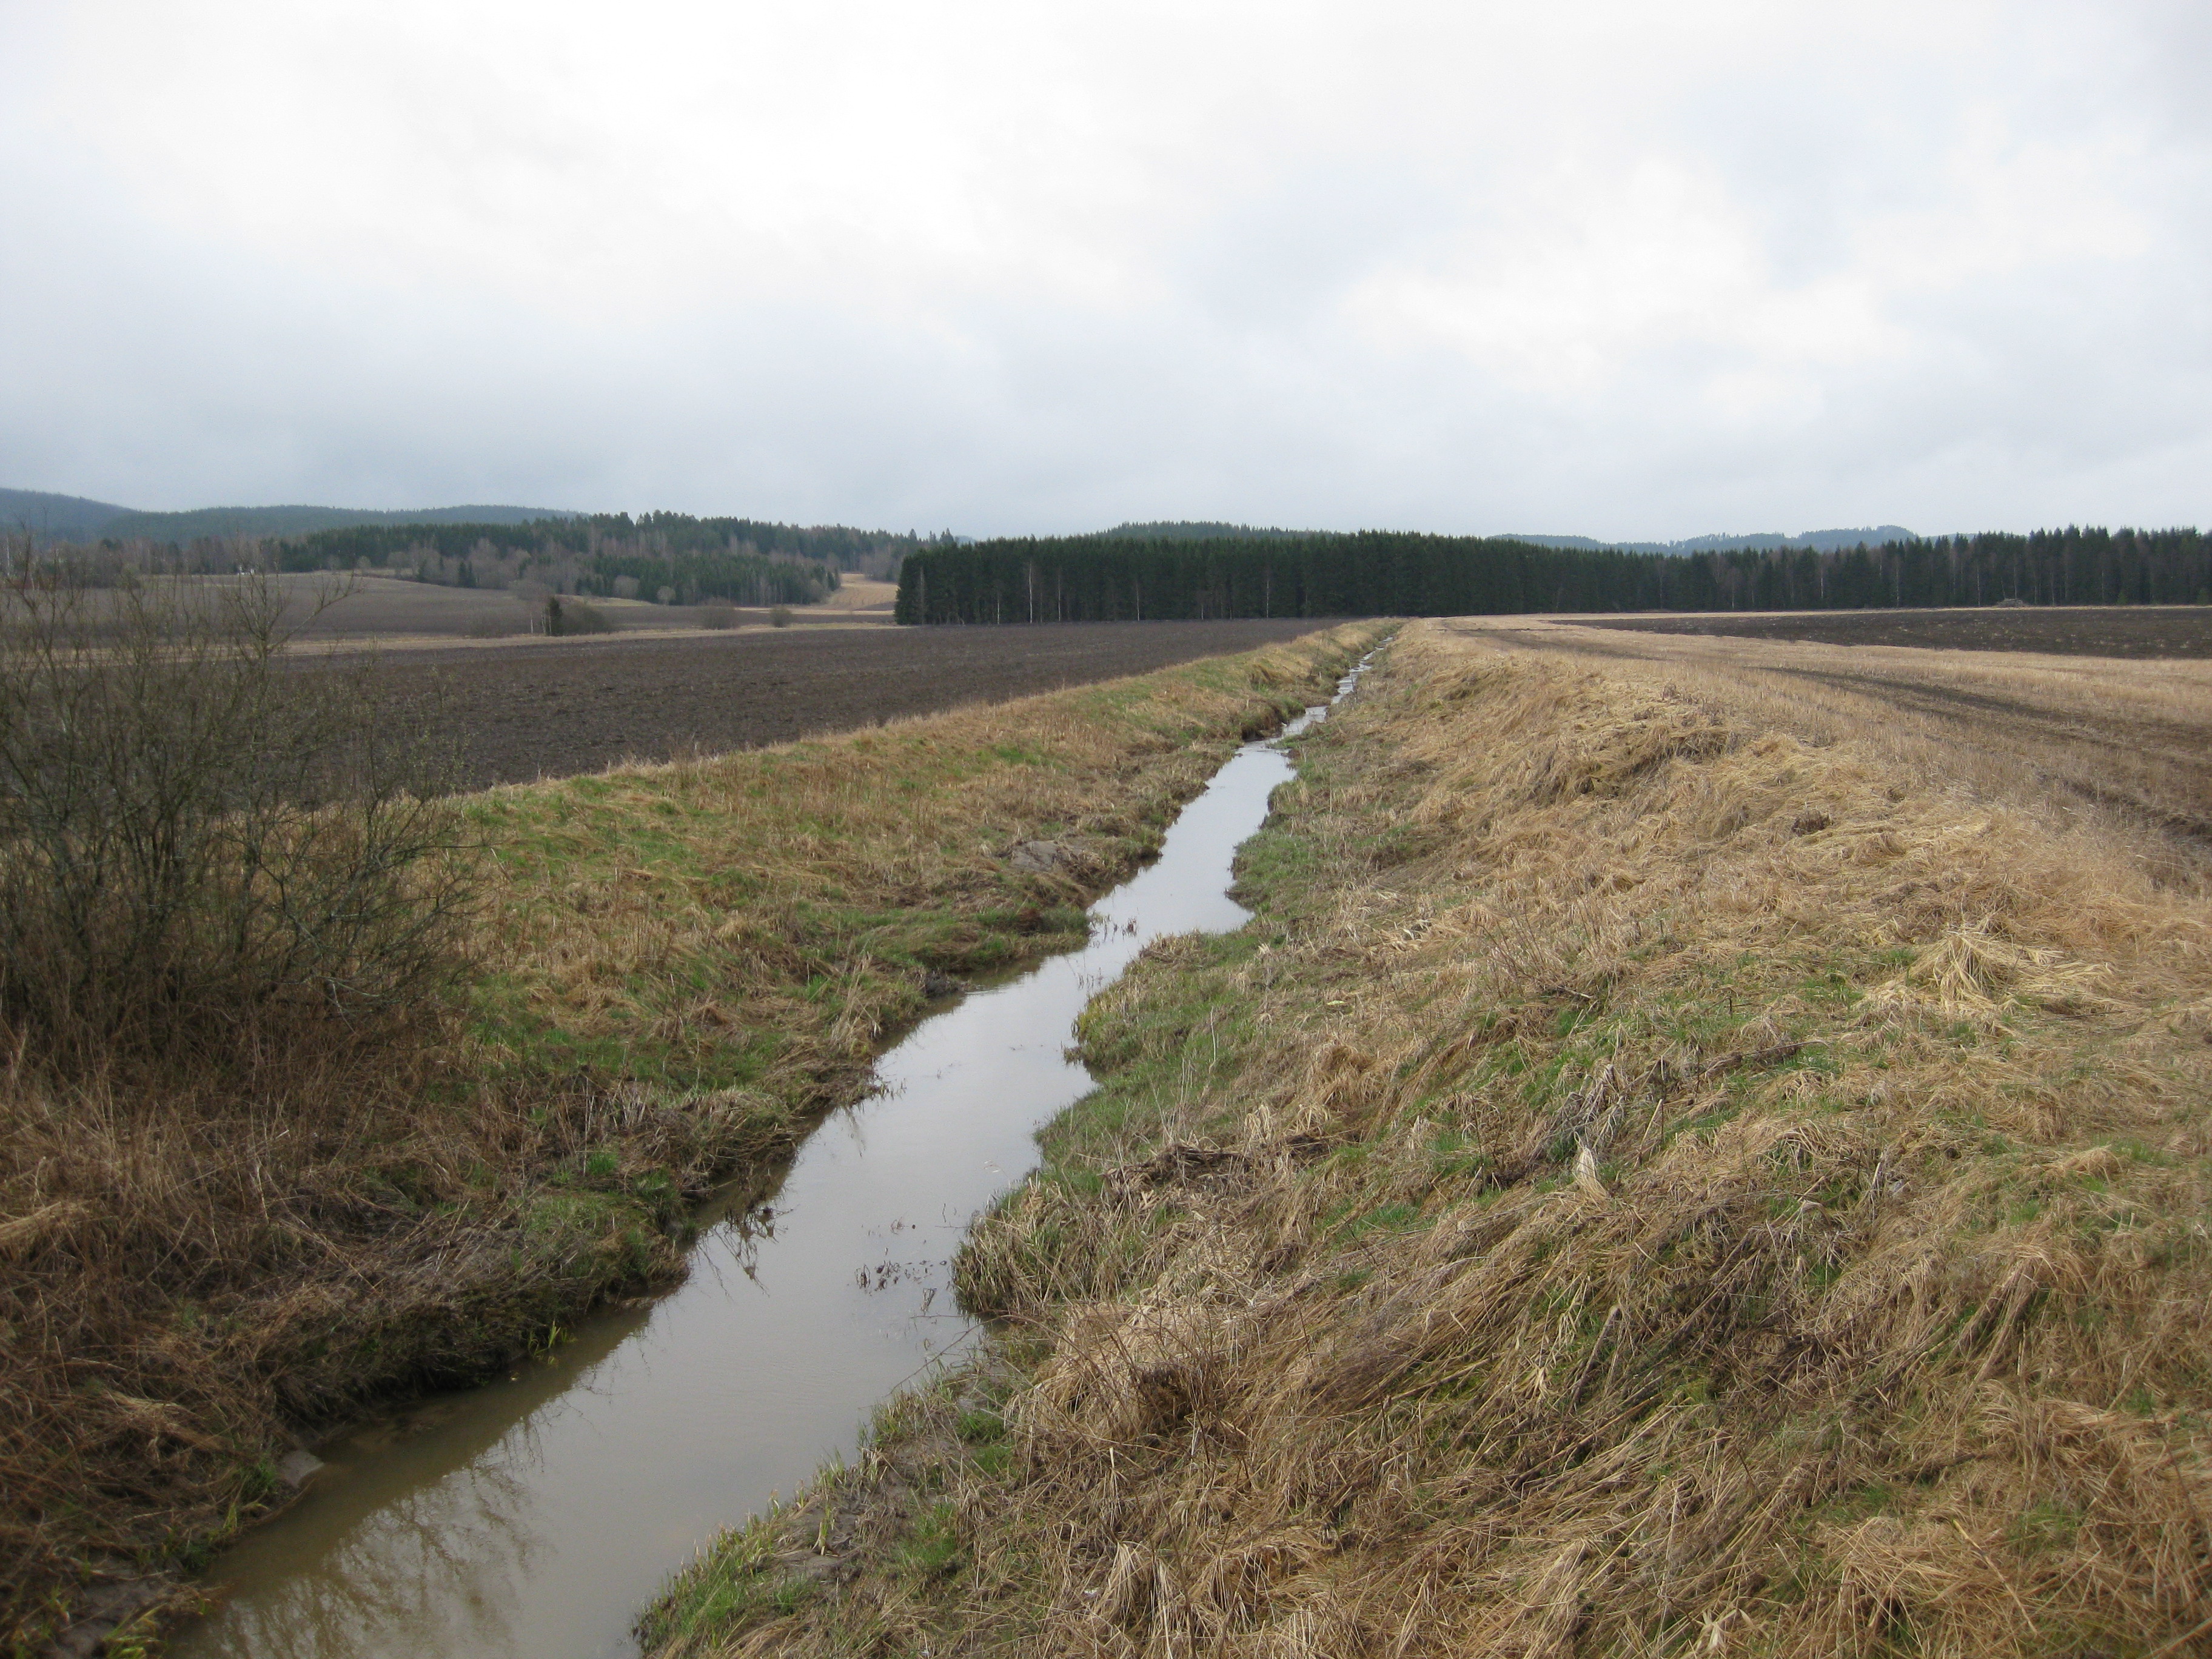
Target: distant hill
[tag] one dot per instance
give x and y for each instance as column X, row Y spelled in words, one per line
column 55, row 517
column 1189, row 530
column 74, row 518
column 299, row 520
column 1195, row 530
column 1825, row 541
column 1586, row 543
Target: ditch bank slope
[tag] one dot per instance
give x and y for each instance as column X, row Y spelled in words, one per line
column 674, row 971
column 1649, row 1181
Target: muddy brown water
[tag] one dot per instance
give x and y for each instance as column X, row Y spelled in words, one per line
column 536, row 1516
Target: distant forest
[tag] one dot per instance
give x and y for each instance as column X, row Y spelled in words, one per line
column 1373, row 572
column 668, row 557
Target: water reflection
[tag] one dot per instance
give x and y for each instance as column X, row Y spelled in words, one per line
column 440, row 1570
column 536, row 1515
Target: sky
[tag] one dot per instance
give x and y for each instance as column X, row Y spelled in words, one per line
column 1564, row 266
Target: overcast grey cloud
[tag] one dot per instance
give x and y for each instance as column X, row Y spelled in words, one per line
column 1605, row 268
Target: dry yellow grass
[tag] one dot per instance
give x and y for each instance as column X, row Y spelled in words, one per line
column 2047, row 732
column 678, row 967
column 1671, row 1172
column 862, row 593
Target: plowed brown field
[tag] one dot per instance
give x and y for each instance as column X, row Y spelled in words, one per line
column 549, row 709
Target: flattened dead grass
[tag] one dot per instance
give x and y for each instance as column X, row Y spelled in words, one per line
column 2062, row 737
column 1655, row 1181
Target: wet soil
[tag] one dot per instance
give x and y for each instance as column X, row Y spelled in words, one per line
column 2175, row 630
column 512, row 715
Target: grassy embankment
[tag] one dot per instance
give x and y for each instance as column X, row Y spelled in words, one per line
column 1667, row 1172
column 673, row 971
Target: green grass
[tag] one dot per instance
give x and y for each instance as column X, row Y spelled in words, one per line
column 932, row 1548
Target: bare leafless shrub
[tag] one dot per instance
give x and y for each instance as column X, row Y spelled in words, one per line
column 718, row 616
column 779, row 615
column 575, row 617
column 196, row 836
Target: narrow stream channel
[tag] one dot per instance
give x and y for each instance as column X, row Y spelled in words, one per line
column 535, row 1515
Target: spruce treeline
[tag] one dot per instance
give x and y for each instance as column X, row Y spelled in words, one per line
column 1375, row 573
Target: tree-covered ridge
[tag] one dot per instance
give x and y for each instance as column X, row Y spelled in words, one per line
column 650, row 534
column 1374, row 573
column 670, row 557
column 129, row 525
column 47, row 517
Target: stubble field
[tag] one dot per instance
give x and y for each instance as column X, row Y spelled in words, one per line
column 2108, row 732
column 2169, row 631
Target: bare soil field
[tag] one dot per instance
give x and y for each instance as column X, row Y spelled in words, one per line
column 2166, row 630
column 553, row 708
column 372, row 607
column 2130, row 734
